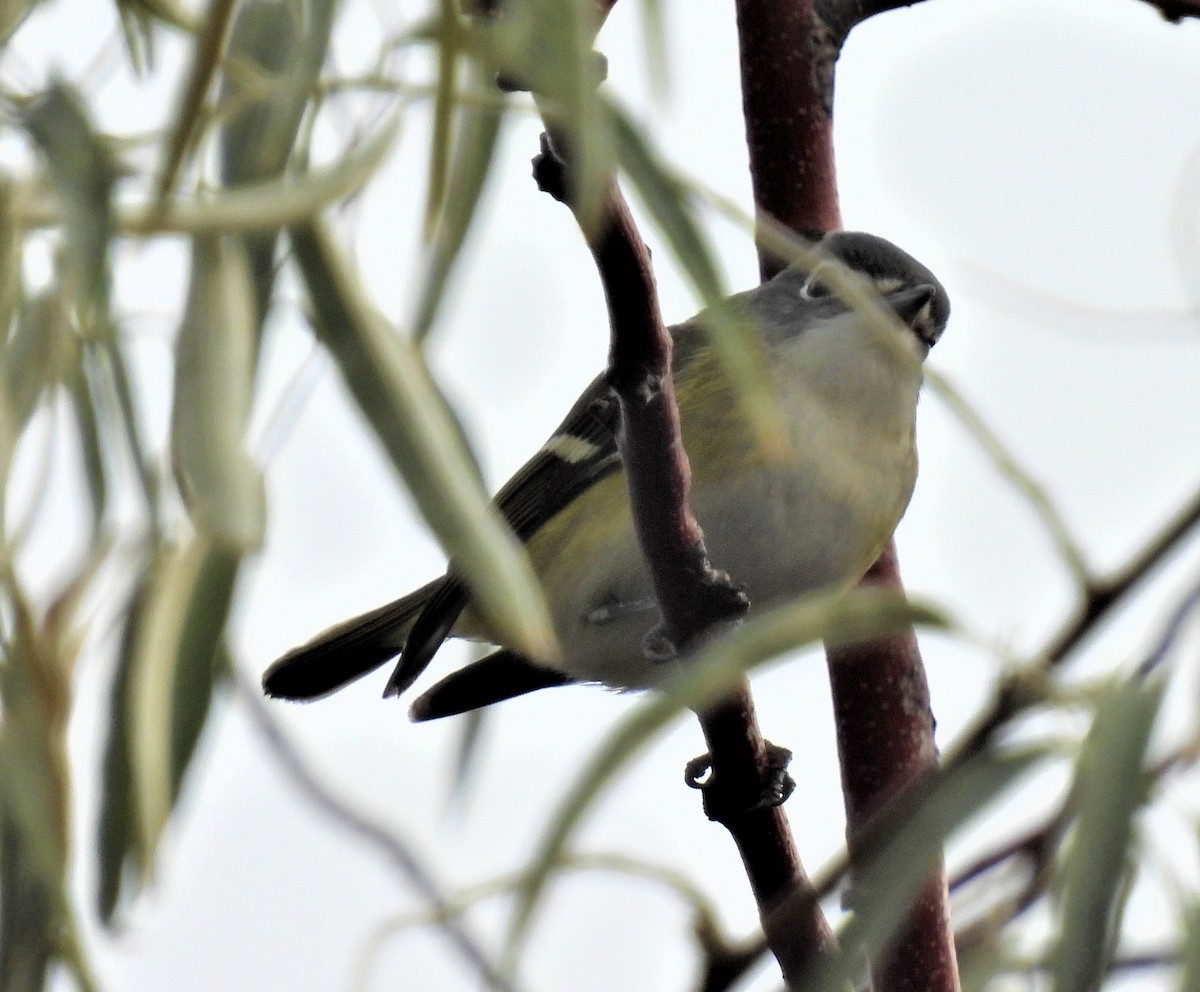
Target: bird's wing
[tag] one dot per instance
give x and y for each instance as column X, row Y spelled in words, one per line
column 581, row 452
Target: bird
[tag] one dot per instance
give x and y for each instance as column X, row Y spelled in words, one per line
column 814, row 520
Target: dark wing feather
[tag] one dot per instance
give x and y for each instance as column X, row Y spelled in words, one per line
column 501, row 675
column 428, row 633
column 581, row 452
column 344, row 652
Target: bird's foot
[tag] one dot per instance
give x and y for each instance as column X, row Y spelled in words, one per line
column 722, row 800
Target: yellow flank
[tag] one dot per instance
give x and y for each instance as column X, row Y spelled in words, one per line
column 590, row 522
column 716, row 436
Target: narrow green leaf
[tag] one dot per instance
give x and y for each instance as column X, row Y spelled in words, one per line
column 35, row 357
column 1006, row 464
column 83, row 174
column 444, row 103
column 214, row 371
column 168, row 12
column 203, row 660
column 91, row 446
column 668, row 200
column 255, row 207
column 546, row 47
column 11, row 248
column 654, row 34
column 474, row 151
column 35, row 798
column 33, row 761
column 834, row 618
column 12, row 16
column 737, row 345
column 281, row 46
column 137, row 31
column 1189, row 974
column 183, row 135
column 1110, row 787
column 157, row 647
column 388, row 378
column 117, row 840
column 28, row 921
column 262, row 98
column 887, row 879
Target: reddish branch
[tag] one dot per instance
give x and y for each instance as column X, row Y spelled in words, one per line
column 789, row 134
column 880, row 692
column 692, row 596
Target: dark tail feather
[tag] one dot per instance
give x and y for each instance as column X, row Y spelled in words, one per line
column 345, row 652
column 499, row 676
column 438, row 616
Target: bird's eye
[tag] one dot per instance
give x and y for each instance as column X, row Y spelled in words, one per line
column 814, row 289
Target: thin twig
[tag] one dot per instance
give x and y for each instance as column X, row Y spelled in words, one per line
column 1035, row 495
column 1100, row 600
column 375, row 835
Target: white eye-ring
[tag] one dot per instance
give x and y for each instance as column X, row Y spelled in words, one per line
column 814, row 288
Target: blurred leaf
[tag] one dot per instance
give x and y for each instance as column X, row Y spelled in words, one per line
column 27, row 914
column 655, row 36
column 12, row 16
column 34, row 800
column 11, row 246
column 195, row 668
column 388, row 378
column 117, row 836
column 737, row 344
column 175, row 590
column 191, row 110
column 444, row 104
column 836, row 618
column 545, row 46
column 885, row 880
column 35, row 357
column 214, row 373
column 1033, row 492
column 261, row 88
column 167, row 11
column 259, row 206
column 33, row 767
column 137, row 30
column 203, row 659
column 283, row 44
column 83, row 174
column 474, row 151
column 1189, row 975
column 1110, row 786
column 90, row 444
column 668, row 200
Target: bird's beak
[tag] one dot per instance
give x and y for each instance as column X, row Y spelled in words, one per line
column 912, row 306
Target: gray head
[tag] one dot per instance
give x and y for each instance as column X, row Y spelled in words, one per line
column 907, row 286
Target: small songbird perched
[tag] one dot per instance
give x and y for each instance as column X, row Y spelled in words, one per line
column 848, row 387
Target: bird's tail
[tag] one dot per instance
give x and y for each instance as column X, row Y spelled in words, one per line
column 347, row 651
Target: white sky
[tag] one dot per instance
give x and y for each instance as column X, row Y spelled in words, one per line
column 1046, row 143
